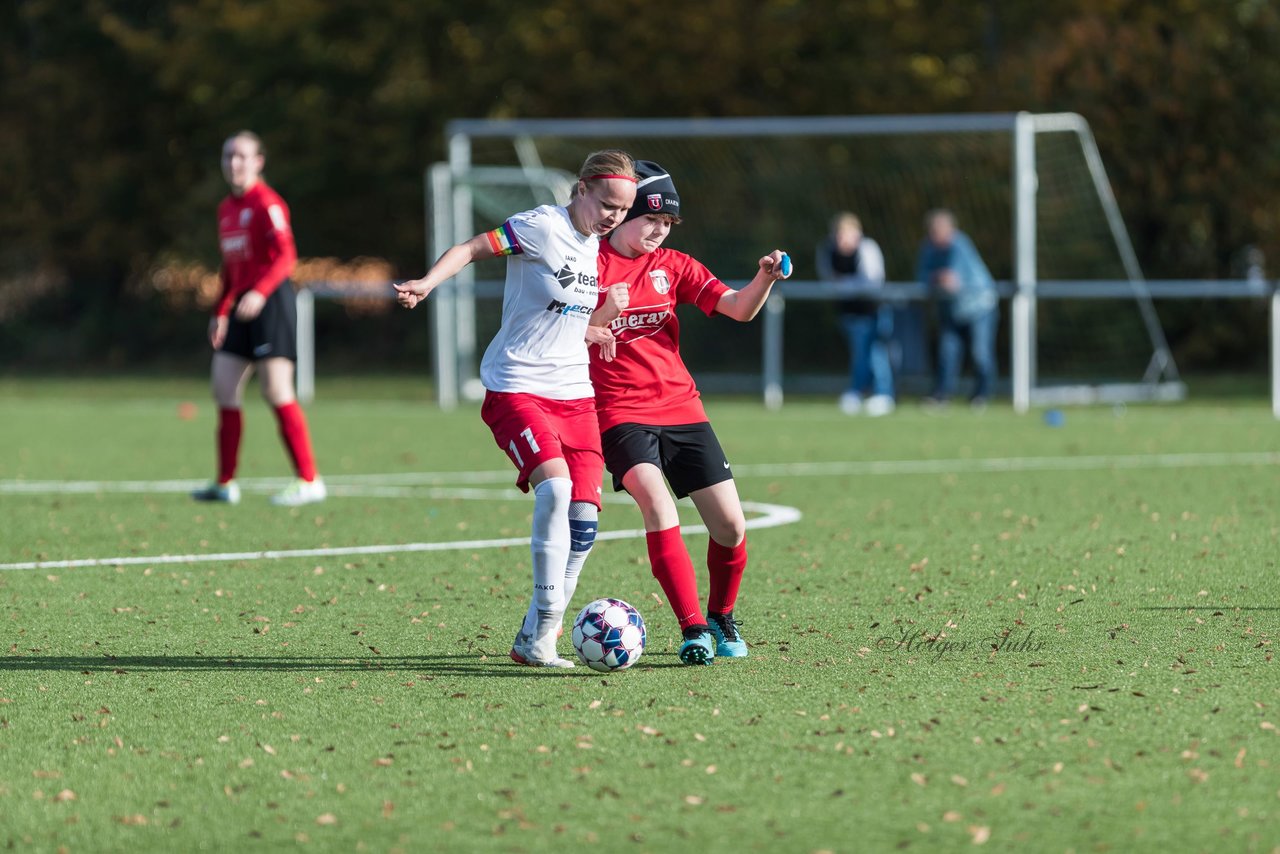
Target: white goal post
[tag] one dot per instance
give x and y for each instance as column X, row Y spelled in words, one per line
column 513, row 152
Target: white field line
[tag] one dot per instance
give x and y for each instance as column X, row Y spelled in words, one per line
column 400, row 485
column 773, row 516
column 1012, row 464
column 378, row 484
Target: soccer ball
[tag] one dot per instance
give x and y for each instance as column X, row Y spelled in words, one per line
column 609, row 635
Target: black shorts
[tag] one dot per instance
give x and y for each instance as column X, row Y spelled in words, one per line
column 272, row 334
column 689, row 455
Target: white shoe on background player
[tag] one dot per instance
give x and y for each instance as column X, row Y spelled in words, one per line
column 300, row 492
column 878, row 405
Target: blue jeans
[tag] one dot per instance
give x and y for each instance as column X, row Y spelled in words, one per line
column 868, row 336
column 979, row 334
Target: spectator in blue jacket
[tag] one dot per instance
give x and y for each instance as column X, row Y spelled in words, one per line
column 967, row 305
column 847, row 257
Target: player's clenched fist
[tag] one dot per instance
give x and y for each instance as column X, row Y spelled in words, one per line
column 619, row 296
column 774, row 264
column 409, row 294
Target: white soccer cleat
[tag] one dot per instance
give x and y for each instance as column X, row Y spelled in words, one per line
column 300, row 492
column 524, row 651
column 227, row 493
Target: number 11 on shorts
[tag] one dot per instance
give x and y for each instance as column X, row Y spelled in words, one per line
column 527, row 433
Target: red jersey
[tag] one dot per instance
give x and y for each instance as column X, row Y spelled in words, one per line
column 257, row 244
column 647, row 382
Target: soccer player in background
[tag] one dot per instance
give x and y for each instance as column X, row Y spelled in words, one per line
column 538, row 400
column 653, row 423
column 254, row 324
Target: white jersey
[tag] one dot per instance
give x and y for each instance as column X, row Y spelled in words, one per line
column 550, row 294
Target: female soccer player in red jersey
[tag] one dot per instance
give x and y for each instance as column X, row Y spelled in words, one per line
column 254, row 324
column 538, row 400
column 653, row 423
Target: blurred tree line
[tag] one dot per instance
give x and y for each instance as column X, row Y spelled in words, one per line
column 112, row 115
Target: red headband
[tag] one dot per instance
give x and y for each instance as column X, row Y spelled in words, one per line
column 619, row 177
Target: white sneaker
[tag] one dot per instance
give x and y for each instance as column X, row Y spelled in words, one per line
column 523, row 652
column 879, row 404
column 850, row 403
column 227, row 493
column 300, row 492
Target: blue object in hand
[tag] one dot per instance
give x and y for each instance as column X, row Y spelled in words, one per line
column 785, row 266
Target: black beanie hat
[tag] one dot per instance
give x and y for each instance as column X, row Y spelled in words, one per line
column 655, row 192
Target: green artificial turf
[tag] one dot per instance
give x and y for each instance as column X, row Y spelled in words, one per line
column 982, row 630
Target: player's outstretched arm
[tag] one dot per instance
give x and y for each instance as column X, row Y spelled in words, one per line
column 745, row 304
column 410, row 293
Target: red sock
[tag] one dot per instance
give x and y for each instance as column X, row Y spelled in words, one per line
column 673, row 568
column 293, row 430
column 725, row 565
column 230, row 426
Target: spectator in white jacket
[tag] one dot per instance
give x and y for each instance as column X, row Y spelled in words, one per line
column 854, row 261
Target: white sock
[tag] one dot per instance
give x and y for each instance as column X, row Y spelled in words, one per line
column 549, row 547
column 583, row 521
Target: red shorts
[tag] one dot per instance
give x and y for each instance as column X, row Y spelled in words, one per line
column 533, row 429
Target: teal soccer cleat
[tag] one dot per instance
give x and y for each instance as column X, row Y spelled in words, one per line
column 699, row 646
column 729, row 643
column 227, row 493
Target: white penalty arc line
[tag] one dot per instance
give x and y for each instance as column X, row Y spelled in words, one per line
column 774, row 515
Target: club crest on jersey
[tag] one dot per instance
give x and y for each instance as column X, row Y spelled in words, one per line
column 655, row 201
column 245, row 216
column 660, row 282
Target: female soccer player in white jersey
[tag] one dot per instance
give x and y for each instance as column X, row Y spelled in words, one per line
column 538, row 400
column 653, row 421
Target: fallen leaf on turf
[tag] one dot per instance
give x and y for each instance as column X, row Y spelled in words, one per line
column 136, row 820
column 387, row 809
column 693, row 800
column 326, row 819
column 1240, row 758
column 383, row 761
column 958, row 780
column 979, row 834
column 64, row 795
column 951, row 815
column 269, row 750
column 919, row 779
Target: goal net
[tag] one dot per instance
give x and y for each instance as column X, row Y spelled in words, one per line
column 1029, row 190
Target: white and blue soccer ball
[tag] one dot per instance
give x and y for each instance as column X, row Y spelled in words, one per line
column 609, row 635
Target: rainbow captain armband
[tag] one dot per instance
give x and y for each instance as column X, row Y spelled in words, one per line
column 502, row 240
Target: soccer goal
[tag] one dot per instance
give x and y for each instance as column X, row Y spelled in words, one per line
column 1029, row 189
